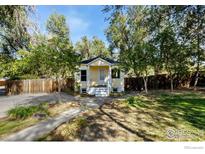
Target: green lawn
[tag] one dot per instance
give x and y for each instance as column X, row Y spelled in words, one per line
column 158, row 116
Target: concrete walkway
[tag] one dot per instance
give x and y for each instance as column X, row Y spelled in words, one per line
column 35, row 132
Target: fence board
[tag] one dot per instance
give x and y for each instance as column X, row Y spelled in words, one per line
column 2, row 83
column 36, row 86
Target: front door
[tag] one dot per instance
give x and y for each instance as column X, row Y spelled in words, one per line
column 102, row 75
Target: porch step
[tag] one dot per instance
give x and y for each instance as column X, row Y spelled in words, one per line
column 101, row 95
column 101, row 92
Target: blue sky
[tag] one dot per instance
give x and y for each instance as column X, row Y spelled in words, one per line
column 82, row 20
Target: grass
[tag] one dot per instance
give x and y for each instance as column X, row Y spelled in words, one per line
column 182, row 112
column 8, row 126
column 67, row 131
column 23, row 112
column 21, row 117
column 157, row 116
column 55, row 109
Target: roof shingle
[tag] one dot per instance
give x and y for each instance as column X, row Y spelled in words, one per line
column 92, row 59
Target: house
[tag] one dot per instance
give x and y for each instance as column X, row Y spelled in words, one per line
column 100, row 76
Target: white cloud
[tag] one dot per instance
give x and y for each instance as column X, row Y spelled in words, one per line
column 76, row 24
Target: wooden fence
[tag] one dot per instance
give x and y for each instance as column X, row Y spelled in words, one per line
column 2, row 83
column 162, row 82
column 37, row 86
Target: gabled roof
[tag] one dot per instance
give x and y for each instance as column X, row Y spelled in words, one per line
column 111, row 61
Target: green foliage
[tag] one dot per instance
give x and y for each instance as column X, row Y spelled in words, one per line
column 157, row 38
column 61, row 58
column 14, row 25
column 128, row 32
column 138, row 101
column 131, row 100
column 23, row 112
column 56, row 25
column 91, row 48
column 51, row 56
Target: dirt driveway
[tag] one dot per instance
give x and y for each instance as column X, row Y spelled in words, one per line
column 7, row 102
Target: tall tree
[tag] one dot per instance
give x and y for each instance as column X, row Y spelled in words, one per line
column 90, row 48
column 128, row 33
column 192, row 30
column 62, row 59
column 164, row 32
column 84, row 47
column 98, row 47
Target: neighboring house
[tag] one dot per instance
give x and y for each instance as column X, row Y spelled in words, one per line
column 100, row 76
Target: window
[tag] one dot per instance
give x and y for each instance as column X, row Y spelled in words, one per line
column 83, row 90
column 114, row 90
column 115, row 73
column 83, row 75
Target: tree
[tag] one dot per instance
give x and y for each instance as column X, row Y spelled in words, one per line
column 127, row 32
column 56, row 26
column 192, row 31
column 165, row 37
column 62, row 59
column 30, row 63
column 90, row 48
column 98, row 48
column 84, row 47
column 14, row 27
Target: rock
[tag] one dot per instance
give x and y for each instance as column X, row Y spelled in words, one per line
column 39, row 116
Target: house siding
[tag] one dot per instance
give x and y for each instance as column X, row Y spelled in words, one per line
column 119, row 83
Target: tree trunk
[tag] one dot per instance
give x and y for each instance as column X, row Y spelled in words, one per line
column 59, row 85
column 188, row 81
column 145, row 84
column 172, row 87
column 198, row 54
column 196, row 77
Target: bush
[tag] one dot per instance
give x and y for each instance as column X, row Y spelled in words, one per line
column 131, row 100
column 22, row 112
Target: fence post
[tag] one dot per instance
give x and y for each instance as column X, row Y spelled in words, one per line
column 29, row 86
column 43, row 85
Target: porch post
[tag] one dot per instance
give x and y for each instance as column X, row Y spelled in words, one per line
column 109, row 79
column 88, row 77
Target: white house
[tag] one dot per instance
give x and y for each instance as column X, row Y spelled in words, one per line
column 100, row 76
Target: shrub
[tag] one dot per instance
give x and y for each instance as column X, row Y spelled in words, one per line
column 22, row 112
column 131, row 100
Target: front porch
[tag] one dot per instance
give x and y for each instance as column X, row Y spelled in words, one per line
column 99, row 81
column 99, row 76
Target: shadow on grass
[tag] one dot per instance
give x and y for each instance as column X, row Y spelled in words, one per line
column 139, row 134
column 180, row 106
column 97, row 129
column 189, row 107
